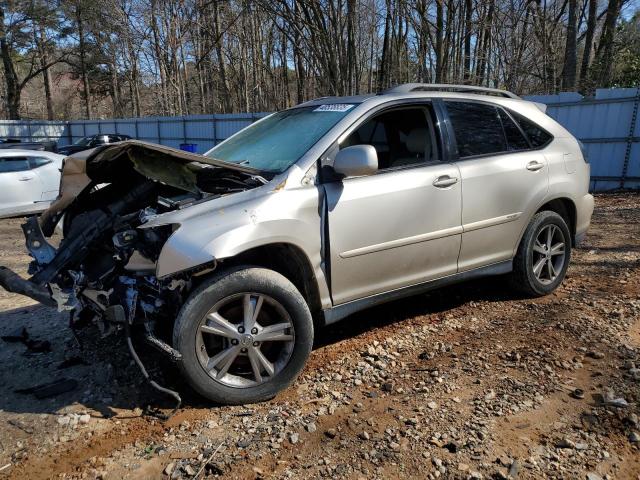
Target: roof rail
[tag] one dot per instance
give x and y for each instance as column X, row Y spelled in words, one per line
column 442, row 87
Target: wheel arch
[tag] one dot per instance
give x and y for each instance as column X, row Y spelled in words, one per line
column 288, row 260
column 563, row 206
column 566, row 208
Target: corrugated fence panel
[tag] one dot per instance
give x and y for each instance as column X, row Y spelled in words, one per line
column 603, row 124
column 77, row 130
column 586, row 121
column 149, row 130
column 606, row 158
column 126, row 127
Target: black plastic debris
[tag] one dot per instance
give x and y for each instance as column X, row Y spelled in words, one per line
column 38, row 346
column 72, row 362
column 18, row 335
column 21, row 335
column 52, row 389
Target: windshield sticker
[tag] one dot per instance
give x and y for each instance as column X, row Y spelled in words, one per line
column 334, row 107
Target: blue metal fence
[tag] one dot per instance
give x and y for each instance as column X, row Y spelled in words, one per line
column 203, row 130
column 609, row 128
column 607, row 124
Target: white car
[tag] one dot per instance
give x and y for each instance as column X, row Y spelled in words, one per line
column 29, row 181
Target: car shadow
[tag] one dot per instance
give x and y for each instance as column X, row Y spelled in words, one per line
column 108, row 381
column 440, row 300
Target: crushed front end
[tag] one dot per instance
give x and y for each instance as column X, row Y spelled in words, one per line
column 104, row 268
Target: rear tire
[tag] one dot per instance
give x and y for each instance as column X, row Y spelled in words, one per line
column 543, row 255
column 260, row 320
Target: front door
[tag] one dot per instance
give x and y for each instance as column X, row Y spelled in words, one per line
column 401, row 226
column 20, row 187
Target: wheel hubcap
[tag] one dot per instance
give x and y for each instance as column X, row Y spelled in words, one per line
column 245, row 340
column 548, row 254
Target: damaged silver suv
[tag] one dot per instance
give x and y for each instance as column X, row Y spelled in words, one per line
column 228, row 261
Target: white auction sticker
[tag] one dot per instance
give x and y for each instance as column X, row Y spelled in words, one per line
column 334, row 107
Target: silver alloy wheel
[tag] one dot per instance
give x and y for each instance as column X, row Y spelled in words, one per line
column 548, row 254
column 245, row 340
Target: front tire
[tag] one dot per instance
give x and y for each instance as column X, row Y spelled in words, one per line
column 543, row 255
column 244, row 335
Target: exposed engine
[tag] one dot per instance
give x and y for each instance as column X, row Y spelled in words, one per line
column 104, row 268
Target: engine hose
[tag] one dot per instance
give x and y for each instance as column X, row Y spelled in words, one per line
column 153, row 383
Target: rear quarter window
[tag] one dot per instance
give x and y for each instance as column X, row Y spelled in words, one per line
column 537, row 136
column 516, row 140
column 35, row 162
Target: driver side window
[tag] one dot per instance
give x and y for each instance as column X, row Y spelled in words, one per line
column 402, row 137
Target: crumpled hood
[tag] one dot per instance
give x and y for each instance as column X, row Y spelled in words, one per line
column 103, row 164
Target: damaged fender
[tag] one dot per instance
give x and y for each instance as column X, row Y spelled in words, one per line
column 230, row 225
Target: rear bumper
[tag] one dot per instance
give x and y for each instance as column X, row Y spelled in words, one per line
column 584, row 211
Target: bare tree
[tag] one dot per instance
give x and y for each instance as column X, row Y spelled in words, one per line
column 175, row 57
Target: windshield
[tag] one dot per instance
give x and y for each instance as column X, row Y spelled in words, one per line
column 280, row 140
column 83, row 141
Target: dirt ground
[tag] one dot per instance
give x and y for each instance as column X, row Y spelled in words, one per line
column 470, row 381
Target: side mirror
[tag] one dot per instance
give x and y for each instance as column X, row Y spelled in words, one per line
column 356, row 161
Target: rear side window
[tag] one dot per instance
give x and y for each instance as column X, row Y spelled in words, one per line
column 537, row 136
column 477, row 127
column 13, row 164
column 35, row 162
column 515, row 139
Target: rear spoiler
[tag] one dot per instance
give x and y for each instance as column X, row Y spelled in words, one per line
column 541, row 106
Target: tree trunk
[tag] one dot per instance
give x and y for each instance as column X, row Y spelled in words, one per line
column 351, row 47
column 222, row 72
column 605, row 48
column 570, row 54
column 83, row 63
column 467, row 40
column 382, row 70
column 439, row 40
column 10, row 75
column 588, row 41
column 164, row 100
column 39, row 38
column 486, row 43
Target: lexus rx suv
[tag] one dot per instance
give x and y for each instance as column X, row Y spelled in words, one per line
column 303, row 218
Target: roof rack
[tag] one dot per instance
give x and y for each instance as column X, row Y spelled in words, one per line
column 441, row 87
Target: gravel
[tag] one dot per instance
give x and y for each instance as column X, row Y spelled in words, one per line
column 465, row 382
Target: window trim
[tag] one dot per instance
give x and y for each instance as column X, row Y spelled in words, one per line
column 423, row 103
column 455, row 155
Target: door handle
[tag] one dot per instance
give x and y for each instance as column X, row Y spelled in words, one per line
column 445, row 181
column 534, row 165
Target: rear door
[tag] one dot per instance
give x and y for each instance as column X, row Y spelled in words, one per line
column 401, row 226
column 20, row 187
column 503, row 179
